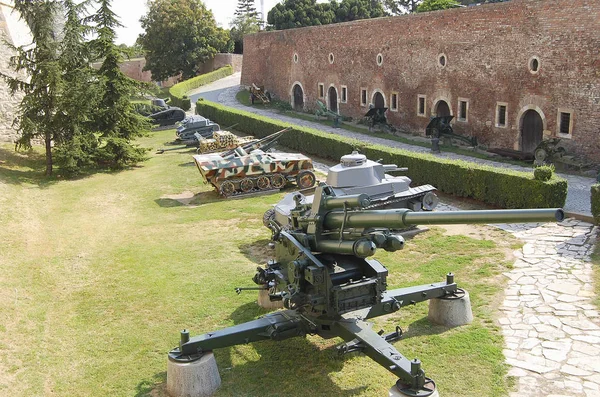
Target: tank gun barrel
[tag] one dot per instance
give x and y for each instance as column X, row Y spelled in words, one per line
column 400, row 218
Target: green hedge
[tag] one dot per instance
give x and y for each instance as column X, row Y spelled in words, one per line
column 178, row 91
column 595, row 193
column 499, row 187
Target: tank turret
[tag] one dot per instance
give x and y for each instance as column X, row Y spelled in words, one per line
column 355, row 174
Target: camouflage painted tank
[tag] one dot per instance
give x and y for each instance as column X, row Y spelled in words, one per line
column 355, row 174
column 243, row 173
column 222, row 140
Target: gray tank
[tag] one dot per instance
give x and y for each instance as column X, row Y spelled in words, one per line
column 355, row 174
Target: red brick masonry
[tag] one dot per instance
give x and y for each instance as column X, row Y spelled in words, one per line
column 489, row 52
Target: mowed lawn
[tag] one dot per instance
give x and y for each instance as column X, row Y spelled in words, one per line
column 99, row 274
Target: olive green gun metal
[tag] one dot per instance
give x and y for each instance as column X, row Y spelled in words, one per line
column 329, row 284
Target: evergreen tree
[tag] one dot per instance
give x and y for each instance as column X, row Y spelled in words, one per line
column 246, row 8
column 115, row 117
column 77, row 144
column 247, row 21
column 39, row 60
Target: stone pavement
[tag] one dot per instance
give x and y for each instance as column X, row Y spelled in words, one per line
column 550, row 326
column 578, row 196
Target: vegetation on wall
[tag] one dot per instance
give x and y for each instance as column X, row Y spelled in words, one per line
column 499, row 187
column 595, row 199
column 178, row 91
column 434, row 5
column 299, row 13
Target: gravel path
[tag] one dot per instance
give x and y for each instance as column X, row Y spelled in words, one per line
column 224, row 91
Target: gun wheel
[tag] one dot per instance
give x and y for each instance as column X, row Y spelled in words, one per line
column 540, row 154
column 226, row 188
column 263, row 182
column 278, row 181
column 246, row 185
column 306, row 179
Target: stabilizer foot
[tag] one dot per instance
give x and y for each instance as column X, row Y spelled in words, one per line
column 452, row 310
column 199, row 378
column 401, row 390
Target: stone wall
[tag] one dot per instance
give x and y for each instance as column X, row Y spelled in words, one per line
column 221, row 60
column 134, row 68
column 8, row 102
column 522, row 55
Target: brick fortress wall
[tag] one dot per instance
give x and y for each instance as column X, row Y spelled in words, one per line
column 489, row 52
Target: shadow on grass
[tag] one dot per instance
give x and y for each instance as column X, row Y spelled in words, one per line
column 186, row 201
column 157, row 385
column 294, row 366
column 423, row 327
column 32, row 166
column 258, row 251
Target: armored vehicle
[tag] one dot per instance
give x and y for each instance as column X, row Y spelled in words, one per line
column 325, row 275
column 241, row 172
column 195, row 124
column 355, row 174
column 168, row 116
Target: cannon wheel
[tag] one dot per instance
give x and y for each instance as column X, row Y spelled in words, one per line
column 305, row 179
column 227, row 188
column 268, row 216
column 263, row 182
column 246, row 185
column 278, row 181
column 540, row 154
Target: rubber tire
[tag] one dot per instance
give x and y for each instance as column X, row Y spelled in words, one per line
column 222, row 190
column 276, row 185
column 268, row 216
column 306, row 174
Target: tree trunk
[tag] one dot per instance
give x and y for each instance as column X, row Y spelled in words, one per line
column 48, row 140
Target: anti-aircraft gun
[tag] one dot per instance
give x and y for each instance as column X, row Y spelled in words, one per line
column 330, row 285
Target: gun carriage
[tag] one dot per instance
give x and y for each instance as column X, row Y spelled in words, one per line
column 440, row 127
column 330, row 285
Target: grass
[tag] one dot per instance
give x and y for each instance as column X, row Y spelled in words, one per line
column 100, row 274
column 243, row 98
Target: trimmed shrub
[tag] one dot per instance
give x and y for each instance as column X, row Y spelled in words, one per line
column 178, row 91
column 595, row 193
column 543, row 172
column 500, row 187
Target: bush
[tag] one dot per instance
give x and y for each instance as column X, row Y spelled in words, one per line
column 595, row 193
column 178, row 91
column 543, row 172
column 500, row 187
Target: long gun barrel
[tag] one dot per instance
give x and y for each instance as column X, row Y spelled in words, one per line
column 264, row 144
column 401, row 218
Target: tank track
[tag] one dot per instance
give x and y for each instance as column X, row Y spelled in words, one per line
column 254, row 191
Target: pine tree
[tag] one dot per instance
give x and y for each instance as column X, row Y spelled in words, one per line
column 78, row 144
column 39, row 60
column 115, row 118
column 246, row 8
